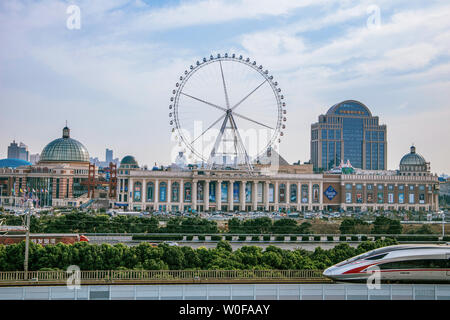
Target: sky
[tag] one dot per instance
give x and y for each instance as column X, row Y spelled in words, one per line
column 112, row 77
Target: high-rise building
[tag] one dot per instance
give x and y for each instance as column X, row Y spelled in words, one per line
column 34, row 158
column 109, row 156
column 18, row 151
column 348, row 131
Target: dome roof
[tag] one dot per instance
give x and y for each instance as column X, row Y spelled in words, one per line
column 349, row 107
column 13, row 163
column 412, row 158
column 65, row 149
column 129, row 162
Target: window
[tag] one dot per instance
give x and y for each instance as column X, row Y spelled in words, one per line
column 150, row 192
column 304, row 193
column 348, row 186
column 137, row 192
column 380, row 187
column 187, row 192
column 378, row 257
column 359, row 187
column 390, row 187
column 175, row 191
column 370, row 187
column 348, row 197
column 163, row 192
column 282, row 191
column 411, row 187
column 416, row 264
column 315, row 193
column 401, row 187
column 293, row 193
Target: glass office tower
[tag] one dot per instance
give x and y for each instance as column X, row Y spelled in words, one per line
column 348, row 131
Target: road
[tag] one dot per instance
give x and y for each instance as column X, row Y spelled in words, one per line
column 311, row 246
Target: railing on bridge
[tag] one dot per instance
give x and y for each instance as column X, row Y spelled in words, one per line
column 162, row 276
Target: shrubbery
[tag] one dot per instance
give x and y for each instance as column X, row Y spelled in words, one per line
column 143, row 256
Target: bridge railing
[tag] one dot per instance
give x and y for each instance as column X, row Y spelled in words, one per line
column 61, row 276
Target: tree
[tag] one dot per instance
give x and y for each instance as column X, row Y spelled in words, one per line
column 224, row 245
column 383, row 225
column 351, row 226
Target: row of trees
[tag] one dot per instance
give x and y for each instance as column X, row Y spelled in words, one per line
column 266, row 225
column 144, row 256
column 100, row 223
column 381, row 225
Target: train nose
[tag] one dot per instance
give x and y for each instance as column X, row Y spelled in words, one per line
column 330, row 272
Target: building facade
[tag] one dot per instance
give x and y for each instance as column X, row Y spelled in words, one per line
column 348, row 131
column 287, row 188
column 58, row 179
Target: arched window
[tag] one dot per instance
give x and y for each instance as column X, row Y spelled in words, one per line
column 293, row 193
column 150, row 192
column 187, row 192
column 137, row 191
column 163, row 192
column 175, row 192
column 315, row 193
column 282, row 193
column 304, row 193
column 271, row 192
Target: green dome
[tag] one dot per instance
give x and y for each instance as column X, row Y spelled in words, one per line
column 412, row 158
column 65, row 149
column 129, row 162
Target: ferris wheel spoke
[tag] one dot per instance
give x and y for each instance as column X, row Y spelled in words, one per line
column 251, row 120
column 245, row 98
column 224, row 86
column 206, row 102
column 212, row 125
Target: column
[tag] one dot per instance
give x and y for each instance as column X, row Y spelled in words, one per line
column 275, row 195
column 156, row 195
column 181, row 195
column 194, row 195
column 310, row 195
column 230, row 196
column 130, row 194
column 321, row 195
column 169, row 196
column 206, row 196
column 255, row 195
column 266, row 197
column 242, row 195
column 144, row 194
column 219, row 195
column 288, row 195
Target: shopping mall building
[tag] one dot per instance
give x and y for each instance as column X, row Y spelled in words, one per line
column 278, row 187
column 60, row 179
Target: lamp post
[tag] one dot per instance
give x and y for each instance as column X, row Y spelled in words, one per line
column 27, row 238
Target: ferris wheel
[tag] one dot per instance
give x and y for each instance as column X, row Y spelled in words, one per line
column 227, row 111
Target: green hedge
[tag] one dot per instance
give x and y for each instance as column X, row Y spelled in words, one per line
column 279, row 238
column 342, row 238
column 293, row 238
column 255, row 238
column 354, row 238
column 363, row 238
column 216, row 238
column 158, row 237
column 266, row 238
column 201, row 238
column 316, row 238
column 417, row 238
column 446, row 238
column 330, row 238
column 305, row 238
column 189, row 238
column 242, row 238
column 228, row 238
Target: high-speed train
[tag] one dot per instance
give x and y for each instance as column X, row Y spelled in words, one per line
column 398, row 263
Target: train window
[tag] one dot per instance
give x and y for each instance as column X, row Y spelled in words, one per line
column 378, row 257
column 416, row 264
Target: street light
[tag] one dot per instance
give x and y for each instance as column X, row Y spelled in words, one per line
column 27, row 239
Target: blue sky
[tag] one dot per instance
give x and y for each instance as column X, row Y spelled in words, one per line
column 112, row 78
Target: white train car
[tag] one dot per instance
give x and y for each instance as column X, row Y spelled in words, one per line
column 415, row 263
